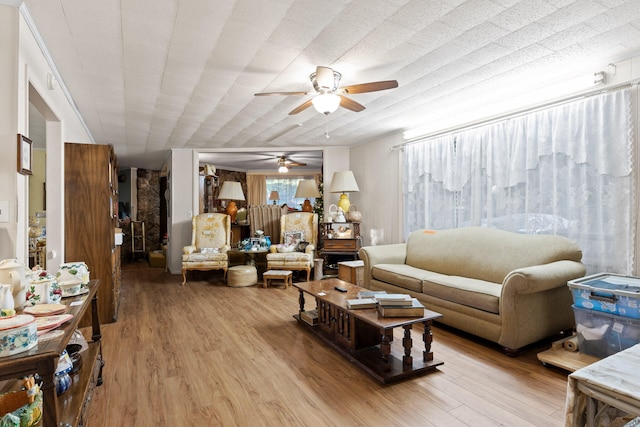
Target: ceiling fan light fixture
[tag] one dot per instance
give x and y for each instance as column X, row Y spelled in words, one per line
column 326, row 103
column 283, row 169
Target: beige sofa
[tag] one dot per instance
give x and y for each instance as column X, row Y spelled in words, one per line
column 505, row 287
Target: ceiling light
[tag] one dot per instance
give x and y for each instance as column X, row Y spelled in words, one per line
column 326, row 103
column 283, row 169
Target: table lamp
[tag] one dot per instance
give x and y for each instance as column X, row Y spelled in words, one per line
column 231, row 190
column 307, row 188
column 274, row 196
column 343, row 182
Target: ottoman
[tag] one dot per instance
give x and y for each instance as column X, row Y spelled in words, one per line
column 242, row 275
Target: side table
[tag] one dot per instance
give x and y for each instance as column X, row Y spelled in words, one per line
column 351, row 271
column 610, row 382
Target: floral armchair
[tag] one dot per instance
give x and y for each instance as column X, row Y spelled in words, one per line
column 298, row 241
column 210, row 241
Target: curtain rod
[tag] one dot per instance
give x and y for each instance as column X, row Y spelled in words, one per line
column 513, row 114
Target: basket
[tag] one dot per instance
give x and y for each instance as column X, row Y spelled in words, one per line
column 17, row 411
column 354, row 214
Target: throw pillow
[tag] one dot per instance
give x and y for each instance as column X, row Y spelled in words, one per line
column 293, row 237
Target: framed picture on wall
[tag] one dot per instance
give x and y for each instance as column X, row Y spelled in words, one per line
column 24, row 155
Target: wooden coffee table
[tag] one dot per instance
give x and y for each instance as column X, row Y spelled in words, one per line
column 362, row 336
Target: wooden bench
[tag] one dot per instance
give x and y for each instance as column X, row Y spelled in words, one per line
column 285, row 275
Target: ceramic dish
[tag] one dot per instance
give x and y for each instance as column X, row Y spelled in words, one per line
column 71, row 287
column 46, row 323
column 49, row 335
column 82, row 291
column 16, row 321
column 73, row 271
column 18, row 339
column 45, row 309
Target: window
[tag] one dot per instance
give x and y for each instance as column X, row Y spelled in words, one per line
column 564, row 170
column 286, row 188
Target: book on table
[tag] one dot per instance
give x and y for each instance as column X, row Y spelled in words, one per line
column 310, row 317
column 416, row 309
column 404, row 300
column 354, row 304
column 370, row 294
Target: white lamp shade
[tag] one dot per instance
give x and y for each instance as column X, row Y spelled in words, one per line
column 231, row 190
column 326, row 103
column 274, row 195
column 343, row 182
column 306, row 189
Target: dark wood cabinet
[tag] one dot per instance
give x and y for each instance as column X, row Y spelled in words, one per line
column 91, row 215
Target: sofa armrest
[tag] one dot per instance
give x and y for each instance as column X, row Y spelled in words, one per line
column 188, row 249
column 541, row 278
column 528, row 292
column 383, row 254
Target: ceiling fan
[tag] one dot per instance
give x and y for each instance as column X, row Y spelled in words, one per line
column 328, row 96
column 284, row 164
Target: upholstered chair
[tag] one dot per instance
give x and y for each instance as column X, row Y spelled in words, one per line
column 210, row 241
column 297, row 230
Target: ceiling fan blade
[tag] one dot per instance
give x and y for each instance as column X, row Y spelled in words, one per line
column 292, row 163
column 350, row 104
column 300, row 107
column 369, row 87
column 280, row 93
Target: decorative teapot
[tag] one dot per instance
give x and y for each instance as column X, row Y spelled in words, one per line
column 13, row 272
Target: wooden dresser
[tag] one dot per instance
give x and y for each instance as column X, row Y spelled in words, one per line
column 91, row 215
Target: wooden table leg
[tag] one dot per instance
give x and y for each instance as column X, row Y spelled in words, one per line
column 385, row 348
column 301, row 301
column 427, row 337
column 407, row 342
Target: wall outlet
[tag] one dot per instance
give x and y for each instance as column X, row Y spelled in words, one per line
column 189, row 214
column 4, row 211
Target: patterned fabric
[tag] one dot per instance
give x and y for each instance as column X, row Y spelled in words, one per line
column 300, row 221
column 295, row 222
column 210, row 241
column 211, row 230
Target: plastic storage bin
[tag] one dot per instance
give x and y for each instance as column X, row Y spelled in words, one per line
column 608, row 293
column 603, row 334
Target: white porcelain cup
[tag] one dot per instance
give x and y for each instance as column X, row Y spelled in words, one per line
column 42, row 292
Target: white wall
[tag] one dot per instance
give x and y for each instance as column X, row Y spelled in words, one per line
column 9, row 36
column 334, row 159
column 182, row 182
column 377, row 170
column 22, row 64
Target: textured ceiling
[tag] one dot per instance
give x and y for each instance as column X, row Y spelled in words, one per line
column 149, row 75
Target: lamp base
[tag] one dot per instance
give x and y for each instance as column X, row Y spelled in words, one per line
column 306, row 206
column 344, row 202
column 232, row 210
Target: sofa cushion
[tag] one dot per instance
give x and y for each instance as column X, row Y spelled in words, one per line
column 485, row 253
column 402, row 275
column 474, row 293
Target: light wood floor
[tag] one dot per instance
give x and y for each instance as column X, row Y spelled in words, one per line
column 209, row 355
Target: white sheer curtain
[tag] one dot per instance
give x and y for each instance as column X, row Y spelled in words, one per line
column 566, row 170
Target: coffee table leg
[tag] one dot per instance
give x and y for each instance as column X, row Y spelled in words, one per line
column 427, row 337
column 301, row 301
column 385, row 348
column 407, row 342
